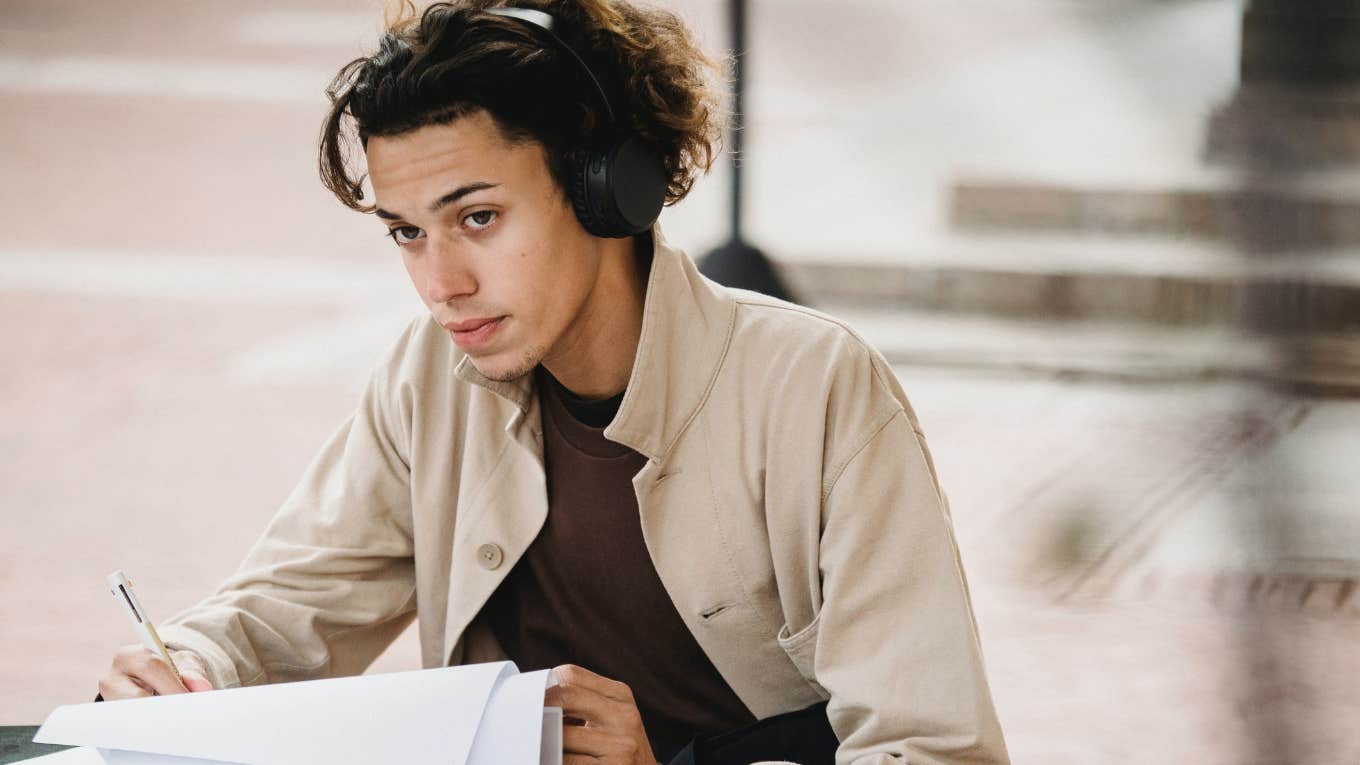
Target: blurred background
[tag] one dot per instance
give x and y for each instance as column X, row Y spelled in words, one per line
column 1110, row 246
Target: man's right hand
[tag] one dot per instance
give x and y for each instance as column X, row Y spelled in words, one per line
column 138, row 672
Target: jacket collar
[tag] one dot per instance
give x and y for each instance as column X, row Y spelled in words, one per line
column 686, row 325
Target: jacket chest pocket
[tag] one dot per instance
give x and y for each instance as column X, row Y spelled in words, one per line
column 706, row 568
column 748, row 654
column 801, row 648
column 717, row 571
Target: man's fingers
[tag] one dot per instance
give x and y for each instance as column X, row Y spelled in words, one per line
column 594, row 742
column 149, row 674
column 196, row 682
column 581, row 739
column 125, row 658
column 146, row 668
column 157, row 674
column 585, row 704
column 570, row 674
column 192, row 670
column 613, row 730
column 116, row 687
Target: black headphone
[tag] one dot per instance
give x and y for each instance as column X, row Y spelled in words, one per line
column 617, row 184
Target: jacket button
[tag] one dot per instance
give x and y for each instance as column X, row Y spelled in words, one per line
column 489, row 557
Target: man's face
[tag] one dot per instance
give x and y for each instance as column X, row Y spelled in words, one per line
column 486, row 236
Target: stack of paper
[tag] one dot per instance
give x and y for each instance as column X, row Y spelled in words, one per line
column 479, row 714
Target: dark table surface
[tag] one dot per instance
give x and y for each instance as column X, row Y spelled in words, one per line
column 16, row 743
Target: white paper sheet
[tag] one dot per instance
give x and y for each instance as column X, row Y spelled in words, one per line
column 550, row 750
column 502, row 738
column 427, row 716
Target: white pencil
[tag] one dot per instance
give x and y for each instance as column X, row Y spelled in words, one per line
column 121, row 587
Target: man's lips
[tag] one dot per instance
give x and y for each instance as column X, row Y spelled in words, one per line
column 467, row 326
column 473, row 334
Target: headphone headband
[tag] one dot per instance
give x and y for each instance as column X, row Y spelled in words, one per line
column 617, row 185
column 546, row 22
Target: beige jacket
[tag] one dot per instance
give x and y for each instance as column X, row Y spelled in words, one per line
column 789, row 504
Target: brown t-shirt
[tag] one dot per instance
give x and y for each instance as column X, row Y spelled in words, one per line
column 586, row 591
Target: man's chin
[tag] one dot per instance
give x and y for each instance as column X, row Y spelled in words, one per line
column 505, row 366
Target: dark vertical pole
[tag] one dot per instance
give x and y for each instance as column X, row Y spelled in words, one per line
column 738, row 264
column 737, row 18
column 1295, row 103
column 1288, row 118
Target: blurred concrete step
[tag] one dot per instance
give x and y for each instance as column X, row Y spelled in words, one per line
column 1322, row 214
column 1154, row 281
column 1118, row 351
column 1326, row 595
column 1316, row 127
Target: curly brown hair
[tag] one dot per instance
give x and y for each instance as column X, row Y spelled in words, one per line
column 454, row 59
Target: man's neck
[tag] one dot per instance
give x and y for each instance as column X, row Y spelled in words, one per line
column 595, row 358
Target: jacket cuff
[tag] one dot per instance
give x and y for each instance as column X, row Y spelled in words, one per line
column 221, row 669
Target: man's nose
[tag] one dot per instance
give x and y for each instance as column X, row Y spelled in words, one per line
column 447, row 277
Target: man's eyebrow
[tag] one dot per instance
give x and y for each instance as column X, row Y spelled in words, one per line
column 444, row 201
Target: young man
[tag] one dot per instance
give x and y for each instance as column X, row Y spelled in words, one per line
column 704, row 507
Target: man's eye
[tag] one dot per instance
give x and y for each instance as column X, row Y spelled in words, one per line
column 405, row 234
column 480, row 219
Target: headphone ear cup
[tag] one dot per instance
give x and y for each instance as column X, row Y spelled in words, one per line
column 618, row 188
column 636, row 187
column 582, row 160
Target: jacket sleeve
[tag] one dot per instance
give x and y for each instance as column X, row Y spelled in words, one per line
column 331, row 582
column 896, row 643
